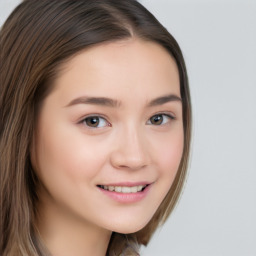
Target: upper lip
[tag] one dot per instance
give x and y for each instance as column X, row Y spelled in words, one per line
column 127, row 184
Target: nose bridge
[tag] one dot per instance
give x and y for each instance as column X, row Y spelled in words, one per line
column 131, row 148
column 134, row 140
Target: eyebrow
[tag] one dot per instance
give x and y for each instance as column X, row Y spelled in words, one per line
column 164, row 99
column 103, row 101
column 95, row 101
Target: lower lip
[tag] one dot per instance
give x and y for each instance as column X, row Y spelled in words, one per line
column 126, row 197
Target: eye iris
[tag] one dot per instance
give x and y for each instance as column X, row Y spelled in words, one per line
column 92, row 121
column 157, row 120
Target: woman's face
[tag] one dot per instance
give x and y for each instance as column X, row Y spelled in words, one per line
column 109, row 137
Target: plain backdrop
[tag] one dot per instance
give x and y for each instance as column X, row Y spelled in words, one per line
column 216, row 215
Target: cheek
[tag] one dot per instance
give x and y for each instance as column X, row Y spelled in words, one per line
column 171, row 157
column 169, row 153
column 68, row 157
column 65, row 164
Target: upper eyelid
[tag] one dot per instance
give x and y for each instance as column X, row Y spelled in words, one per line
column 166, row 113
column 156, row 113
column 92, row 115
column 172, row 117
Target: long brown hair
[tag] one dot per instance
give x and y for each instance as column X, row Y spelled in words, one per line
column 34, row 41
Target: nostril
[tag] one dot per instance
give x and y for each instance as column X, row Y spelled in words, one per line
column 130, row 152
column 127, row 161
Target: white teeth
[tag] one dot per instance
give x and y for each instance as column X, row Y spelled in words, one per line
column 120, row 189
column 126, row 190
column 140, row 188
column 134, row 189
column 111, row 188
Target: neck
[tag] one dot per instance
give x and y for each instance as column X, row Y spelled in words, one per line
column 65, row 235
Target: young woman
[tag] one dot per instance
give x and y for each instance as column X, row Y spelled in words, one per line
column 95, row 123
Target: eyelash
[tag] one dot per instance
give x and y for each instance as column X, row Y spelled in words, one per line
column 99, row 119
column 162, row 115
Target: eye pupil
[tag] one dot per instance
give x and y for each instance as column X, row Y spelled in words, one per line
column 157, row 120
column 92, row 121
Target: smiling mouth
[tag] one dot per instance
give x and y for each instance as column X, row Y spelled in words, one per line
column 123, row 189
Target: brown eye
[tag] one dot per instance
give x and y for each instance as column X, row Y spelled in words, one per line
column 156, row 120
column 92, row 121
column 95, row 122
column 160, row 119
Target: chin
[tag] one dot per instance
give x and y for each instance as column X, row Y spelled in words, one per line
column 128, row 227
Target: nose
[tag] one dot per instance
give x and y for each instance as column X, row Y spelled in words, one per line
column 130, row 150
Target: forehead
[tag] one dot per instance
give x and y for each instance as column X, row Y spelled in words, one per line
column 130, row 66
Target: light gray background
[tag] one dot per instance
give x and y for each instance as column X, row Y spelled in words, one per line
column 216, row 215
